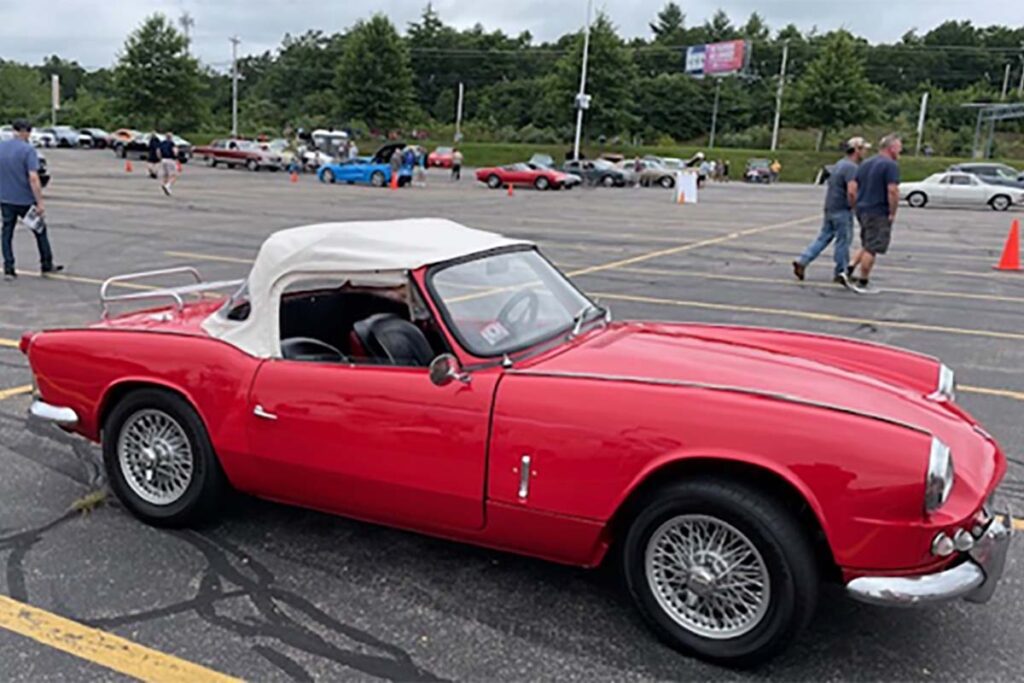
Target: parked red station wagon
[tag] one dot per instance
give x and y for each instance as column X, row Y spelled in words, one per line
column 429, row 376
column 233, row 152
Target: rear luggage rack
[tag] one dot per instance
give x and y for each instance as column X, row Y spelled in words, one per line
column 176, row 294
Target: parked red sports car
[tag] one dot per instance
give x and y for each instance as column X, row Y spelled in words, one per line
column 539, row 177
column 441, row 157
column 425, row 375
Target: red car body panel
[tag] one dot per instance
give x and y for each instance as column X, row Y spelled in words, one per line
column 846, row 425
column 227, row 155
column 525, row 177
column 438, row 159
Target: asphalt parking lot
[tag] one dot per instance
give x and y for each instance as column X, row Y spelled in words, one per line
column 274, row 593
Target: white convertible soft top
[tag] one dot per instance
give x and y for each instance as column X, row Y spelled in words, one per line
column 364, row 251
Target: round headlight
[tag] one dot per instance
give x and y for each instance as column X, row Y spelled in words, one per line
column 939, row 478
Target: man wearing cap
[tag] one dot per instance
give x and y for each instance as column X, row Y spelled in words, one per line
column 20, row 190
column 840, row 200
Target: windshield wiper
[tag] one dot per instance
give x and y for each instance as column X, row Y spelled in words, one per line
column 581, row 317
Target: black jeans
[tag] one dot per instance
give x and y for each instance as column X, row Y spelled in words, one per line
column 11, row 214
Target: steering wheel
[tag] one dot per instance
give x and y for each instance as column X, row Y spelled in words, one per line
column 309, row 349
column 520, row 311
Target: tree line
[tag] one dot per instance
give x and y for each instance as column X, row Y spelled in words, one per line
column 376, row 77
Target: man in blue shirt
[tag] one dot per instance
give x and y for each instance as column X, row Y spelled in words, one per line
column 168, row 162
column 20, row 190
column 878, row 196
column 840, row 199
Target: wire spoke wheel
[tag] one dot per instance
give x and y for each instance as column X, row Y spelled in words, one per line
column 155, row 457
column 707, row 576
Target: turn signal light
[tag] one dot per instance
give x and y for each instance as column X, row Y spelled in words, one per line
column 943, row 545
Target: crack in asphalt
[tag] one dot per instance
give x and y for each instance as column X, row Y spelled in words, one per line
column 219, row 581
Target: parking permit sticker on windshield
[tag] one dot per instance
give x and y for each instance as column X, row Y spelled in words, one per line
column 494, row 333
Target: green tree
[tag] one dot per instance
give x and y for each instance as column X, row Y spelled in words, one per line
column 25, row 94
column 719, row 27
column 156, row 82
column 834, row 91
column 755, row 29
column 373, row 79
column 669, row 28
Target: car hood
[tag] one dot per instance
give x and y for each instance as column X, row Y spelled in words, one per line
column 767, row 363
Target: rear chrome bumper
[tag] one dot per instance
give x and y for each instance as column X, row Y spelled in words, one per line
column 975, row 579
column 65, row 417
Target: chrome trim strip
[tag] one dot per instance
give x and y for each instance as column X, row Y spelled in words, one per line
column 721, row 387
column 57, row 414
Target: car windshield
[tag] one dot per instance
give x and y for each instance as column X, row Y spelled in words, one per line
column 506, row 302
column 517, row 167
column 1007, row 172
column 757, row 164
column 602, row 164
column 443, row 150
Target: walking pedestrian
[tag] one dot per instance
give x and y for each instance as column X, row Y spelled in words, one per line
column 20, row 192
column 878, row 197
column 396, row 165
column 840, row 200
column 168, row 162
column 776, row 170
column 153, row 155
column 456, row 164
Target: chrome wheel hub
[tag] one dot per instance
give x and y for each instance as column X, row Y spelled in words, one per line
column 707, row 576
column 155, row 457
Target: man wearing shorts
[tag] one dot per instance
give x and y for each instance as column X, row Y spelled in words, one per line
column 168, row 162
column 878, row 196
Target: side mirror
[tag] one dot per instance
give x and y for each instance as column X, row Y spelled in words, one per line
column 445, row 369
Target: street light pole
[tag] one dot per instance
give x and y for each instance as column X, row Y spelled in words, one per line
column 234, row 85
column 581, row 98
column 778, row 95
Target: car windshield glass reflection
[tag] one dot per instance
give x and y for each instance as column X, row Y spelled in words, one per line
column 506, row 302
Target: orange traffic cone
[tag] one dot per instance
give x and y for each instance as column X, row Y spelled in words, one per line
column 1011, row 252
column 295, row 176
column 127, row 165
column 510, row 190
column 394, row 181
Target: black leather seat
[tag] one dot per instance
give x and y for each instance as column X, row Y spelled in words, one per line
column 390, row 340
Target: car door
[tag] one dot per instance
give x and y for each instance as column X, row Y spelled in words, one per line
column 963, row 189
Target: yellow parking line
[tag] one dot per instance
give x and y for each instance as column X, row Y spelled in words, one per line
column 98, row 647
column 14, row 391
column 1002, row 393
column 1018, row 524
column 208, row 257
column 823, row 285
column 12, row 343
column 809, row 315
column 688, row 247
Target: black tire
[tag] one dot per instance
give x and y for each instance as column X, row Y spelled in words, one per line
column 774, row 532
column 493, row 181
column 122, row 151
column 542, row 183
column 207, row 483
column 211, row 162
column 252, row 165
column 918, row 200
column 666, row 181
column 1000, row 202
column 328, row 176
column 608, row 181
column 377, row 179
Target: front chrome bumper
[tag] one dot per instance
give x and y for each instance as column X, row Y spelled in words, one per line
column 974, row 579
column 65, row 417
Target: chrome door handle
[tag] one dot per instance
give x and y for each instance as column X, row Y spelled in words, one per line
column 258, row 411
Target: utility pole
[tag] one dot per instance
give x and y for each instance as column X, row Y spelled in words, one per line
column 1006, row 80
column 714, row 113
column 920, row 123
column 458, row 113
column 1020, row 88
column 778, row 95
column 187, row 22
column 582, row 99
column 234, row 85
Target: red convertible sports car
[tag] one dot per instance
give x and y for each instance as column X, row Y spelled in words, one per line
column 441, row 157
column 429, row 376
column 539, row 177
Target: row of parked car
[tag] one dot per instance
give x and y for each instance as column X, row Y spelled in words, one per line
column 610, row 170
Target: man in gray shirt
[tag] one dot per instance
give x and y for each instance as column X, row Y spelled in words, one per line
column 840, row 199
column 20, row 190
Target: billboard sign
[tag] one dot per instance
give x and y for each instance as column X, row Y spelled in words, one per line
column 717, row 59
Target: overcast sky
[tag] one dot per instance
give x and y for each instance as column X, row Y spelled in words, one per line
column 92, row 31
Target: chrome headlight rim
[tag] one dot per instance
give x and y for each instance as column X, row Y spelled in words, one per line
column 939, row 477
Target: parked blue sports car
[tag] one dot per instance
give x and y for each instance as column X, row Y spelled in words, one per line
column 375, row 170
